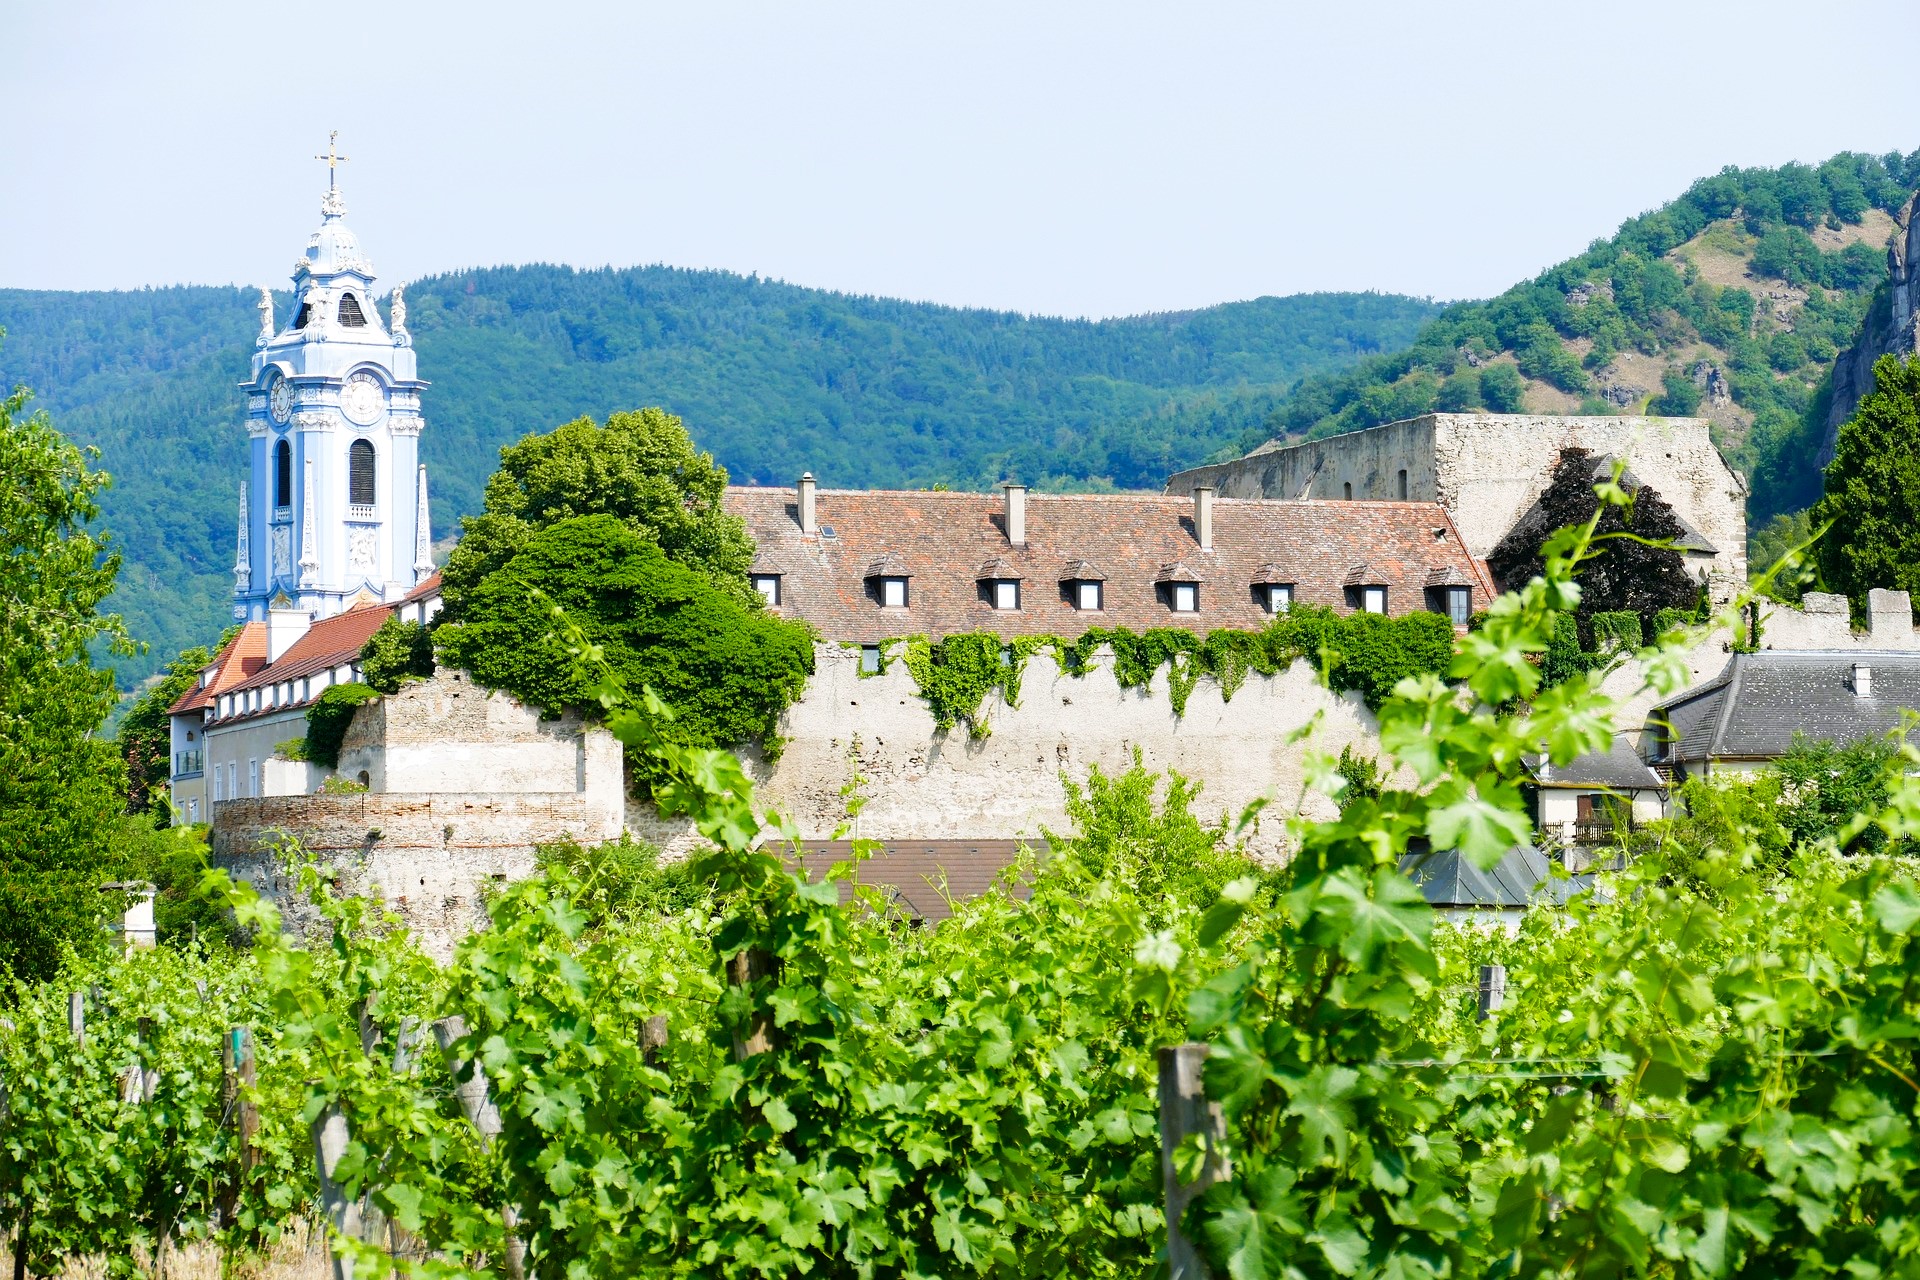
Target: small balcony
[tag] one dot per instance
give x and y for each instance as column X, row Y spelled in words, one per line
column 187, row 764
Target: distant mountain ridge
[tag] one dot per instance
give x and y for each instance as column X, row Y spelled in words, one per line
column 772, row 378
column 1732, row 301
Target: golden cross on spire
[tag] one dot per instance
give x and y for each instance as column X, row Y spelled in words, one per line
column 333, row 159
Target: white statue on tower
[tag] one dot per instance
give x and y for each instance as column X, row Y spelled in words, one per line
column 266, row 319
column 398, row 323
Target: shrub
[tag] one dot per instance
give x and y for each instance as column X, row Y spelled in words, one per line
column 395, row 654
column 328, row 718
column 622, row 880
column 727, row 667
column 1502, row 389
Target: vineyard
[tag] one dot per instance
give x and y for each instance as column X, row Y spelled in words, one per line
column 1709, row 1065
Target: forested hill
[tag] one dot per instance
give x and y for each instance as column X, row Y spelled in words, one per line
column 1730, row 302
column 773, row 378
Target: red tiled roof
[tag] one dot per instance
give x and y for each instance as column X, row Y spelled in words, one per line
column 910, row 873
column 243, row 655
column 940, row 540
column 431, row 587
column 328, row 643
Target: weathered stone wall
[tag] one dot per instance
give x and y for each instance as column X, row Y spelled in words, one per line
column 449, row 734
column 429, row 856
column 1823, row 622
column 1489, row 469
column 927, row 785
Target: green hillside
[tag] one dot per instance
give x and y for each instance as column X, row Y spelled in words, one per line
column 1730, row 302
column 771, row 377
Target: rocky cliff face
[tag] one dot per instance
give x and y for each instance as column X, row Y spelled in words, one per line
column 1891, row 327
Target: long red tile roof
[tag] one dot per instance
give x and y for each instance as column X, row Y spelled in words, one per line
column 946, row 543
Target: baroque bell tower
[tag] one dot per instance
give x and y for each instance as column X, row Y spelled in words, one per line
column 333, row 509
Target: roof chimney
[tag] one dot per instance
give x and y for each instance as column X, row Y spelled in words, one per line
column 1016, row 513
column 809, row 519
column 285, row 626
column 1862, row 680
column 1203, row 516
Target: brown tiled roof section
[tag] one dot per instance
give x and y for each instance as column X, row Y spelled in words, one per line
column 910, row 873
column 243, row 655
column 330, row 642
column 430, row 587
column 942, row 538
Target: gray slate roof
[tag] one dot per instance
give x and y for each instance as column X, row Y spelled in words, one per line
column 1618, row 768
column 1522, row 877
column 1753, row 709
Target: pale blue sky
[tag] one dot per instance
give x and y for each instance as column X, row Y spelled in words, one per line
column 1088, row 159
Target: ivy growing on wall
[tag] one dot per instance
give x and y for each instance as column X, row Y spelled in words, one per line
column 328, row 718
column 1362, row 652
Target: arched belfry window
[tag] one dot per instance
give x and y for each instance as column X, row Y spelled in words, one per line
column 360, row 474
column 283, row 474
column 351, row 317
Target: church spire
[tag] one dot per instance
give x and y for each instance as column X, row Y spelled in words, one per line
column 242, row 557
column 309, row 535
column 422, row 536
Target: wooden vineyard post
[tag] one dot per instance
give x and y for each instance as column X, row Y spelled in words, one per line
column 1184, row 1111
column 743, row 970
column 330, row 1139
column 653, row 1039
column 246, row 1110
column 476, row 1102
column 77, row 1020
column 1493, row 990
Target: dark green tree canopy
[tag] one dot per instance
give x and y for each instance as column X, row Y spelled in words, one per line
column 641, row 468
column 727, row 668
column 1873, row 490
column 1627, row 574
column 60, row 784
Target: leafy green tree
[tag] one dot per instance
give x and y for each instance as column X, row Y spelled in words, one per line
column 1630, row 570
column 1502, row 388
column 1873, row 490
column 641, row 468
column 1770, row 542
column 1678, row 397
column 727, row 668
column 1460, row 392
column 146, row 734
column 60, row 783
column 396, row 653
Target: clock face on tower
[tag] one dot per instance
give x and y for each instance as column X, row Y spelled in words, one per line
column 280, row 400
column 363, row 401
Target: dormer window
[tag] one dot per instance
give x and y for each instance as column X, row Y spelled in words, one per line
column 1450, row 592
column 999, row 585
column 1273, row 588
column 1373, row 599
column 768, row 585
column 1179, row 586
column 351, row 317
column 1084, row 586
column 887, row 580
column 1365, row 590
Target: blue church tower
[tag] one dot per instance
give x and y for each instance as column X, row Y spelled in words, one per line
column 333, row 510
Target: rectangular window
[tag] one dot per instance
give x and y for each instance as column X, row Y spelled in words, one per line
column 1373, row 599
column 253, row 778
column 193, row 811
column 1086, row 595
column 1403, row 485
column 1186, row 597
column 1279, row 598
column 893, row 593
column 768, row 585
column 217, row 796
column 869, row 659
column 1460, row 605
column 1006, row 594
column 233, row 780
